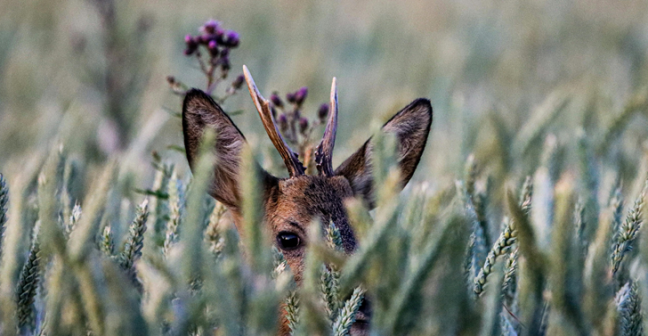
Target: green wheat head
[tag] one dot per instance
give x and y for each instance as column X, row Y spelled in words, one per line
column 539, row 232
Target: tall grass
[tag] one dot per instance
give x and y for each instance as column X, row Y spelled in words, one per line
column 423, row 258
column 525, row 216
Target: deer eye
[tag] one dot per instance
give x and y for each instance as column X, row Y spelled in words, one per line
column 288, row 241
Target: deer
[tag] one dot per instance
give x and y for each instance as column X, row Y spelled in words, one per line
column 291, row 204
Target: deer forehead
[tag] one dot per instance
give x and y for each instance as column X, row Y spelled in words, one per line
column 300, row 199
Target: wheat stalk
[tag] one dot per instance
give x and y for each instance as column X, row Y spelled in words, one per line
column 135, row 241
column 28, row 283
column 346, row 317
column 627, row 232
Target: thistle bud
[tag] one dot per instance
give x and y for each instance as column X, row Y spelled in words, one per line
column 190, row 41
column 224, row 52
column 283, row 123
column 300, row 95
column 210, row 26
column 225, row 63
column 276, row 101
column 232, row 39
column 238, row 82
column 303, row 125
column 203, row 39
column 213, row 48
column 290, row 97
column 220, row 32
column 323, row 111
column 191, row 45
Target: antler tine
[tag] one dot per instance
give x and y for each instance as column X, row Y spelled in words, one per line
column 324, row 151
column 294, row 166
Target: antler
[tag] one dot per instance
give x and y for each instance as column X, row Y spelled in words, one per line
column 290, row 158
column 324, row 151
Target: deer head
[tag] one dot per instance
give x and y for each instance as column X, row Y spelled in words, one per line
column 292, row 203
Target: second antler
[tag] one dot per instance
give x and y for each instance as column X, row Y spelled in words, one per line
column 324, row 151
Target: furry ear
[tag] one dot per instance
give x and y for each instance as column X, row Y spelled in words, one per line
column 411, row 127
column 199, row 112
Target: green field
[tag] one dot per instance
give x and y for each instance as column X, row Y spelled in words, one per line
column 524, row 216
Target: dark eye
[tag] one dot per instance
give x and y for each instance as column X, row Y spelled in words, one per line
column 288, row 241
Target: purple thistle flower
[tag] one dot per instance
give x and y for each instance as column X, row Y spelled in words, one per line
column 190, row 40
column 290, row 97
column 220, row 32
column 300, row 95
column 213, row 48
column 323, row 111
column 225, row 63
column 191, row 45
column 211, row 37
column 238, row 82
column 283, row 122
column 274, row 98
column 232, row 39
column 217, row 41
column 210, row 26
column 203, row 39
column 303, row 125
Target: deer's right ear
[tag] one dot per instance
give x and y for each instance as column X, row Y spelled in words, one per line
column 199, row 112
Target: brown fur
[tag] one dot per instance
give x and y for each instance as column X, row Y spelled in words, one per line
column 292, row 203
column 198, row 112
column 411, row 126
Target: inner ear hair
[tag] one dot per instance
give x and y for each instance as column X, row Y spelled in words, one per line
column 200, row 112
column 411, row 126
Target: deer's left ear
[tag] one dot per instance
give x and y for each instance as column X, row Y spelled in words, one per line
column 411, row 127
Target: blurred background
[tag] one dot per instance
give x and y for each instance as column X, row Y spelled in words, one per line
column 92, row 73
